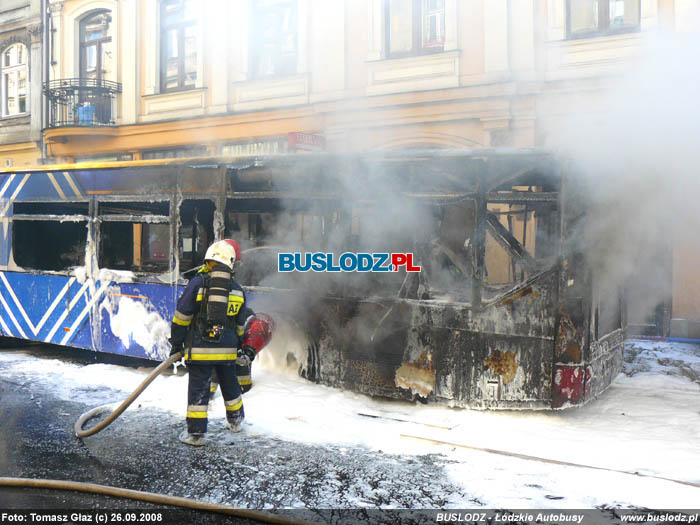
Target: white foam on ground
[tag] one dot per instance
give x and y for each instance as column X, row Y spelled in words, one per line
column 648, row 422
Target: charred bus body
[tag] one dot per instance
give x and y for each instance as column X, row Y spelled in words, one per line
column 507, row 310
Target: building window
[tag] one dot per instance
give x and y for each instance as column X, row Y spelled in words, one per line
column 273, row 38
column 599, row 17
column 96, row 46
column 175, row 153
column 14, row 89
column 414, row 27
column 178, row 44
column 117, row 157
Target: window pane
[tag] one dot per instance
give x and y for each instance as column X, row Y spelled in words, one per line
column 106, row 58
column 190, row 9
column 624, row 13
column 22, row 90
column 90, row 62
column 171, row 12
column 179, row 43
column 11, row 56
column 584, row 16
column 197, row 151
column 9, row 83
column 172, row 44
column 172, row 62
column 179, row 11
column 433, row 23
column 96, row 26
column 400, row 26
column 155, row 244
column 190, row 56
column 274, row 37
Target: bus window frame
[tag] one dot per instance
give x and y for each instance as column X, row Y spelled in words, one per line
column 133, row 218
column 45, row 217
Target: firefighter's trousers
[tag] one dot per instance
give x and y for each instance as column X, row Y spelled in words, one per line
column 198, row 395
column 244, row 378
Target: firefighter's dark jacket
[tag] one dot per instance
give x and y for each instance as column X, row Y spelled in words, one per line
column 184, row 325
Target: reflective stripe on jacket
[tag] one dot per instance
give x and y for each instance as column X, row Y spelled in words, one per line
column 184, row 324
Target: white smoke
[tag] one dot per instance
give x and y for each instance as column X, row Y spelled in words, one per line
column 638, row 147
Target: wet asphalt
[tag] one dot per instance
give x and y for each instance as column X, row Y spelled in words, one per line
column 244, row 470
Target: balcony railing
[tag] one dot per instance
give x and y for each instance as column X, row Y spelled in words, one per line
column 81, row 102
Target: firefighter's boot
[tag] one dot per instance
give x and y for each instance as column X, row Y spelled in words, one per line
column 196, row 440
column 236, row 426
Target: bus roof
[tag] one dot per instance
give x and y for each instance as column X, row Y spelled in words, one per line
column 301, row 158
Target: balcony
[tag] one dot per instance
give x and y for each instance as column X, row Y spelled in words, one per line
column 81, row 102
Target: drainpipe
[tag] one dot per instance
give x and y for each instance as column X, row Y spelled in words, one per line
column 45, row 73
column 509, row 36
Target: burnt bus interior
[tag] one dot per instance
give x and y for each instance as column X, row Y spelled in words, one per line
column 506, row 311
column 396, row 207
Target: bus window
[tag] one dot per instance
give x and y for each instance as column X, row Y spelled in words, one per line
column 196, row 231
column 49, row 236
column 265, row 227
column 448, row 261
column 521, row 233
column 134, row 236
column 506, row 222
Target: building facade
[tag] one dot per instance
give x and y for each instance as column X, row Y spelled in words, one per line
column 181, row 77
column 147, row 79
column 20, row 83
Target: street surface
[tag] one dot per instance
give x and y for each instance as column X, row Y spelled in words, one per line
column 311, row 447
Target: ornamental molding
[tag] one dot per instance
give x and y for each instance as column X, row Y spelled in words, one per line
column 34, row 31
column 14, row 39
column 56, row 6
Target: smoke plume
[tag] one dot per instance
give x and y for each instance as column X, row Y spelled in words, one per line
column 638, row 149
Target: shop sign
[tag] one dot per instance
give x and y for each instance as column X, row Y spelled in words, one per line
column 306, row 141
column 252, row 149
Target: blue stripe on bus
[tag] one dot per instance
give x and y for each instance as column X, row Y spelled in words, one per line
column 35, row 306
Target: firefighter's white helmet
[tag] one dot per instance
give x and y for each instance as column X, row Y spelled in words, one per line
column 222, row 252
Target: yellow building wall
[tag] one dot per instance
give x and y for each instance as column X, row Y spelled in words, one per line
column 686, row 281
column 18, row 155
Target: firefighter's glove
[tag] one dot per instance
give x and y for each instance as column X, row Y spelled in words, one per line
column 245, row 356
column 176, row 347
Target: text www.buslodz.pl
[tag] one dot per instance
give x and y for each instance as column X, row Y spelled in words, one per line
column 346, row 262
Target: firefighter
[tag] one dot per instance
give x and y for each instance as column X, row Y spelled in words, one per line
column 208, row 326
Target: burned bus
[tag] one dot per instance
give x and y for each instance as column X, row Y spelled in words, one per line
column 503, row 308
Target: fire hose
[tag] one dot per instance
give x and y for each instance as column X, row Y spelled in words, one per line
column 151, row 497
column 137, row 494
column 258, row 331
column 79, row 432
column 258, row 334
